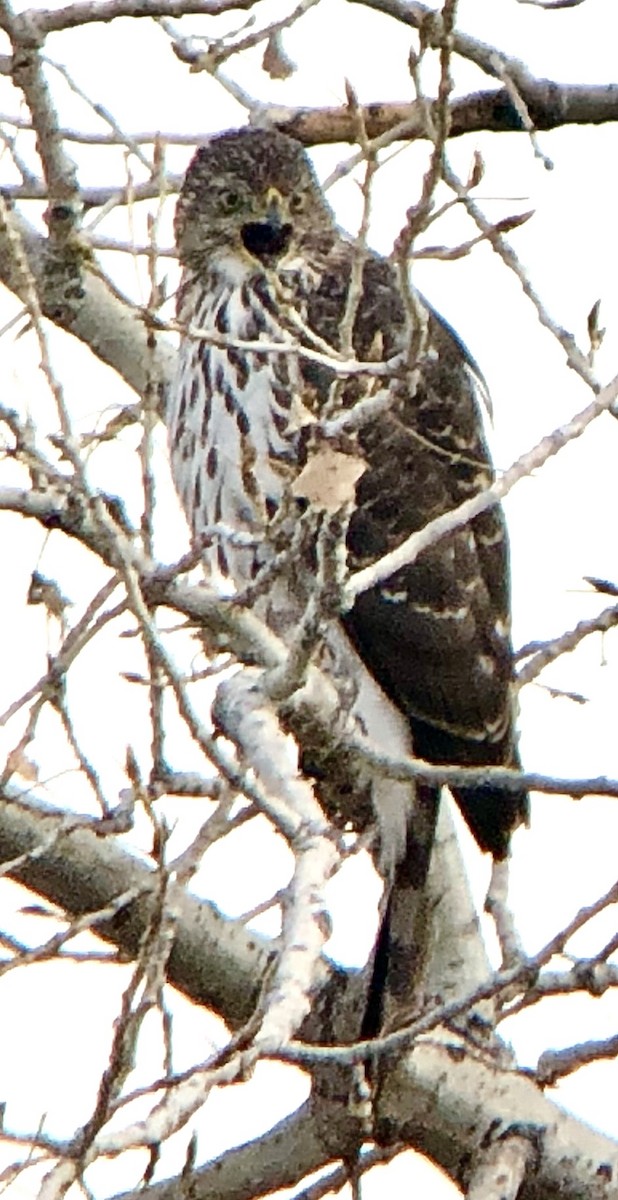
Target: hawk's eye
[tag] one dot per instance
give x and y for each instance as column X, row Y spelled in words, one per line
column 230, row 201
column 299, row 202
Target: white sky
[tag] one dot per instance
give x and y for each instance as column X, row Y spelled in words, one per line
column 562, row 522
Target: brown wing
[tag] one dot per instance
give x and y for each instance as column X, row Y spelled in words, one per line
column 436, row 634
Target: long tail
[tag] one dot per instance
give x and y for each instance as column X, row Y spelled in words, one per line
column 402, row 939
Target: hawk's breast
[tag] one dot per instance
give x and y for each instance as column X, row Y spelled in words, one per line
column 234, row 419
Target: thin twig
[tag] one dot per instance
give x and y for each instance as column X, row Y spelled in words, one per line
column 448, row 522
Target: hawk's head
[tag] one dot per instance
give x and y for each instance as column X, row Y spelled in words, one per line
column 250, row 193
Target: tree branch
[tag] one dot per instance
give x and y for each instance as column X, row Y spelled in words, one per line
column 502, row 1167
column 215, row 961
column 37, row 23
column 441, row 526
column 291, row 1150
column 447, row 1121
column 84, row 304
column 550, row 105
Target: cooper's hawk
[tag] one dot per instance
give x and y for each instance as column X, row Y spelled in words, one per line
column 264, row 261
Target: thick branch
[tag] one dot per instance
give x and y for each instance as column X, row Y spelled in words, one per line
column 502, row 1167
column 245, row 714
column 38, row 23
column 445, row 1103
column 215, row 961
column 59, row 170
column 550, row 105
column 81, row 302
column 85, row 872
column 287, row 1153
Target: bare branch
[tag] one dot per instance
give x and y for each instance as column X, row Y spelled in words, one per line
column 481, row 1098
column 542, row 655
column 555, row 1064
column 408, row 551
column 85, row 873
column 283, row 1156
column 430, row 22
column 58, row 168
column 501, row 1168
column 38, row 23
column 246, row 716
column 553, row 4
column 550, row 105
column 94, row 313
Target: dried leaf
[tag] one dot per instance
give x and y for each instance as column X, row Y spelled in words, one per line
column 477, row 171
column 18, row 763
column 351, row 97
column 46, row 591
column 602, row 585
column 595, row 333
column 276, row 62
column 328, row 481
column 509, row 223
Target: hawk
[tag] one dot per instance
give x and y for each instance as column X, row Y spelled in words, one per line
column 263, row 261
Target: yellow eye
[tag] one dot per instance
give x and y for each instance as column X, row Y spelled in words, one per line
column 298, row 201
column 230, row 201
